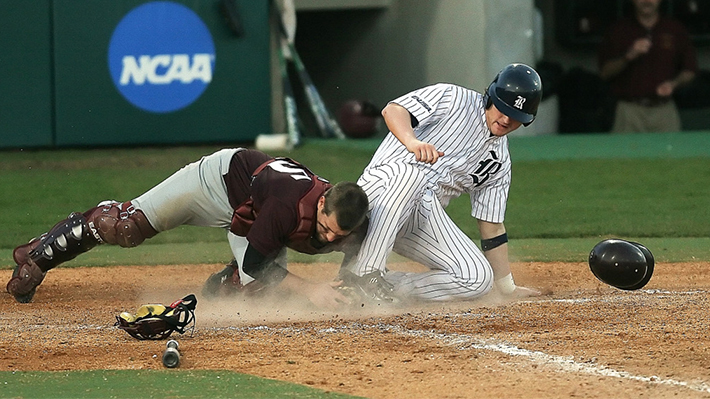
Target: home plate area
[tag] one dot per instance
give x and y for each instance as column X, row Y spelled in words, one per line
column 585, row 339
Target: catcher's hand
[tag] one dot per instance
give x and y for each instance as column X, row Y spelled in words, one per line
column 325, row 296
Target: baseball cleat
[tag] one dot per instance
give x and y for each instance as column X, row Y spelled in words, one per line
column 220, row 283
column 227, row 282
column 370, row 288
column 24, row 282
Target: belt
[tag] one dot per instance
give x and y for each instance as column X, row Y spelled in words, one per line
column 648, row 101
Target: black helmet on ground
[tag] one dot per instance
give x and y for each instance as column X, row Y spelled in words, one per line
column 622, row 264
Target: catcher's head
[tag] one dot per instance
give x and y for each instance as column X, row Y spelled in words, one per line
column 623, row 264
column 340, row 210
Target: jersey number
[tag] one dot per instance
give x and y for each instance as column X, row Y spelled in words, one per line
column 283, row 166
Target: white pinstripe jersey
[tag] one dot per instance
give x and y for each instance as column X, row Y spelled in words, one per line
column 452, row 118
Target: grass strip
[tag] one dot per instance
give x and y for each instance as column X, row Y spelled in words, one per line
column 132, row 384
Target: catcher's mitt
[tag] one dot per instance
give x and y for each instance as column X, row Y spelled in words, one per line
column 157, row 321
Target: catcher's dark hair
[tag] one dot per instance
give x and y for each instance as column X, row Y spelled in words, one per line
column 349, row 202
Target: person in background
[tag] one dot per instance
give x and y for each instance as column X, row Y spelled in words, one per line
column 644, row 58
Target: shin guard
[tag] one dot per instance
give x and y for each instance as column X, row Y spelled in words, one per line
column 63, row 242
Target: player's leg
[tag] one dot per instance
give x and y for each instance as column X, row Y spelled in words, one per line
column 393, row 191
column 629, row 117
column 196, row 194
column 109, row 222
column 664, row 118
column 459, row 270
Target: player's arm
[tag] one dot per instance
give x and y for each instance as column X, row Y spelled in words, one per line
column 321, row 294
column 399, row 122
column 269, row 272
column 494, row 243
column 667, row 88
column 613, row 67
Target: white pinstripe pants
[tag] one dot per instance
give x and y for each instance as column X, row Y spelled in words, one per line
column 406, row 216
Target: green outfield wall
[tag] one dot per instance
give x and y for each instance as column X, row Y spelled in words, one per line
column 129, row 72
column 26, row 87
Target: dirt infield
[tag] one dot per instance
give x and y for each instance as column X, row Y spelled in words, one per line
column 584, row 340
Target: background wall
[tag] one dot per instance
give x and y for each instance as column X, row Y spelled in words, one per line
column 379, row 50
column 378, row 53
column 26, row 86
column 57, row 91
column 585, row 57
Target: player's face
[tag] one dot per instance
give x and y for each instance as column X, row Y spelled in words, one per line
column 647, row 7
column 499, row 123
column 327, row 229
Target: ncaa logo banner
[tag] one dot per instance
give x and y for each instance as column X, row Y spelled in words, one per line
column 161, row 57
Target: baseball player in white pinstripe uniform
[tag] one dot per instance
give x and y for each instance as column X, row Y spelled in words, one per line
column 445, row 140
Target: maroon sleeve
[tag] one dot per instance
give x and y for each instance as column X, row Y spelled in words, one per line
column 616, row 41
column 272, row 226
column 265, row 269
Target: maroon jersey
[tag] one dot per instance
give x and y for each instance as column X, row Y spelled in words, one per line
column 671, row 52
column 275, row 191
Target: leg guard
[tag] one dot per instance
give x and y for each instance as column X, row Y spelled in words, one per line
column 110, row 222
column 63, row 242
column 119, row 224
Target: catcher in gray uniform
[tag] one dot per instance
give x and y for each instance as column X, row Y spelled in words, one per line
column 266, row 204
column 445, row 140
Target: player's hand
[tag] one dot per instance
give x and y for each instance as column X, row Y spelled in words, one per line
column 325, row 296
column 424, row 152
column 639, row 48
column 665, row 89
column 525, row 292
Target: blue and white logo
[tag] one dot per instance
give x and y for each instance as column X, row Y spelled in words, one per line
column 161, row 56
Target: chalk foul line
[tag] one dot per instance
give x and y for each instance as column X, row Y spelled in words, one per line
column 562, row 363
